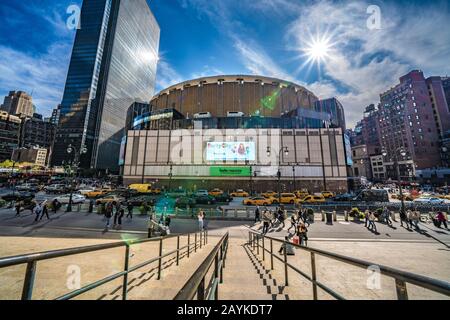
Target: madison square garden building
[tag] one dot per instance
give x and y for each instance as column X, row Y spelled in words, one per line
column 233, row 132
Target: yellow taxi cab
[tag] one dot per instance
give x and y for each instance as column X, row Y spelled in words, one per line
column 313, row 199
column 269, row 194
column 257, row 201
column 301, row 193
column 215, row 192
column 97, row 193
column 110, row 198
column 239, row 193
column 327, row 194
column 288, row 198
column 156, row 191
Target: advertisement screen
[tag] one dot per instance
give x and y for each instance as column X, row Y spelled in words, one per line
column 123, row 145
column 230, row 151
column 348, row 150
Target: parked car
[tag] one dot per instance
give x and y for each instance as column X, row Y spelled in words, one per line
column 85, row 191
column 76, row 199
column 176, row 193
column 240, row 193
column 429, row 200
column 184, row 202
column 373, row 195
column 313, row 199
column 257, row 201
column 110, row 198
column 97, row 193
column 343, row 197
column 224, row 198
column 18, row 196
column 140, row 200
column 205, row 199
column 28, row 187
column 215, row 192
column 269, row 193
column 327, row 194
column 56, row 188
column 288, row 198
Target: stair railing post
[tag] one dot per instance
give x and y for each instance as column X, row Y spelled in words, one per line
column 271, row 254
column 178, row 250
column 314, row 275
column 160, row 258
column 189, row 245
column 125, row 276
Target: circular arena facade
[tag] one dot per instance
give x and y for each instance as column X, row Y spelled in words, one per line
column 219, row 95
column 227, row 132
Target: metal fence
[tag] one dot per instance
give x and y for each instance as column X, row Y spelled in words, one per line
column 257, row 241
column 197, row 286
column 194, row 241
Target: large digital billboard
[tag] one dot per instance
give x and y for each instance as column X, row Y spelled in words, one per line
column 230, row 151
column 348, row 150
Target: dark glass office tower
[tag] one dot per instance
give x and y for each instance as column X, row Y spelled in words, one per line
column 113, row 64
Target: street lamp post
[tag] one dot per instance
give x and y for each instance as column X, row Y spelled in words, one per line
column 402, row 152
column 71, row 149
column 170, row 176
column 286, row 152
column 293, row 176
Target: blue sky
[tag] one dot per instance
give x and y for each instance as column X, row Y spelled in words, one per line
column 266, row 37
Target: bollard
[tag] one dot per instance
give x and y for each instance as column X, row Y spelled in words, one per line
column 346, row 215
column 323, row 216
column 334, row 216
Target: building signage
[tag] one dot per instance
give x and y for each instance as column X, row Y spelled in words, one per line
column 229, row 171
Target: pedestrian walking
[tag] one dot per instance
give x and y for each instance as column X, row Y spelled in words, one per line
column 55, row 205
column 387, row 216
column 201, row 217
column 116, row 207
column 121, row 214
column 403, row 218
column 441, row 219
column 44, row 209
column 266, row 220
column 37, row 211
column 257, row 215
column 414, row 218
column 130, row 210
column 372, row 226
column 294, row 221
column 366, row 218
column 108, row 214
column 281, row 217
column 18, row 208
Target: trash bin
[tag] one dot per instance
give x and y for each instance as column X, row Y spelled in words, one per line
column 329, row 217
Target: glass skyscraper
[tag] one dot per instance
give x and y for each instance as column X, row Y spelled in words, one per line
column 113, row 65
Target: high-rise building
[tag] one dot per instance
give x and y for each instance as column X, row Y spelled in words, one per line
column 407, row 120
column 113, row 64
column 35, row 132
column 367, row 131
column 9, row 134
column 441, row 111
column 18, row 103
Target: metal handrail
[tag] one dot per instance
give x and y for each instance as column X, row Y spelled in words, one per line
column 31, row 261
column 401, row 277
column 196, row 284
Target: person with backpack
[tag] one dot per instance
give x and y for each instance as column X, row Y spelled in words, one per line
column 18, row 208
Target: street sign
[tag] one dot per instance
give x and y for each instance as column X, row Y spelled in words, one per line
column 229, row 171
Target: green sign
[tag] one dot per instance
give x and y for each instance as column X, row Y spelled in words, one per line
column 229, row 171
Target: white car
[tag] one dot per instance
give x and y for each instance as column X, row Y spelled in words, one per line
column 429, row 200
column 201, row 193
column 76, row 199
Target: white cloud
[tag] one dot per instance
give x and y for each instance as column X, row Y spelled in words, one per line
column 167, row 76
column 43, row 75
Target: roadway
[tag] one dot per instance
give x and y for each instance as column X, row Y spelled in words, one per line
column 92, row 226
